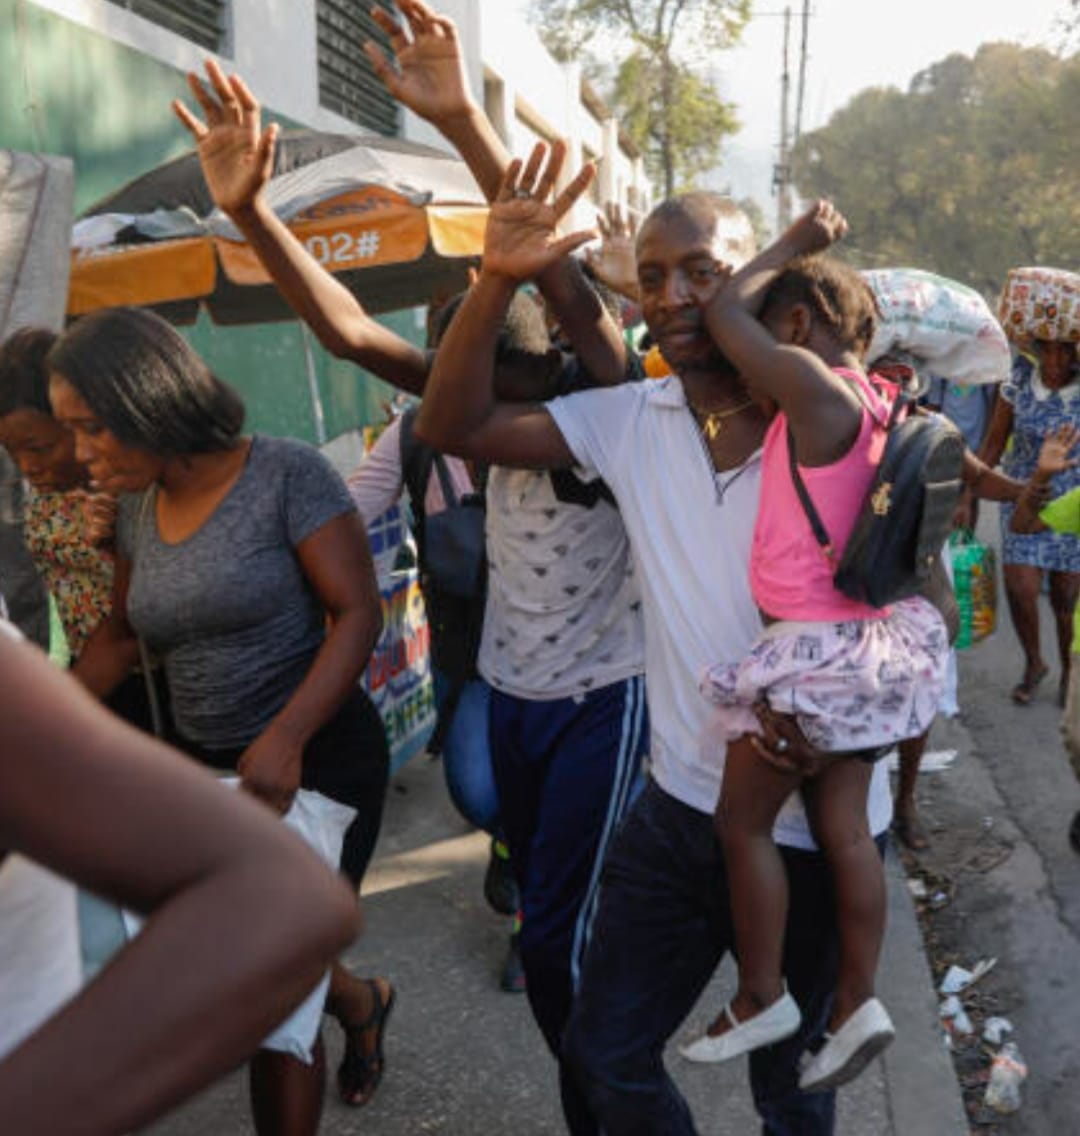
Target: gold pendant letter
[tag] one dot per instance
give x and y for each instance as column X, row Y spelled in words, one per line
column 881, row 502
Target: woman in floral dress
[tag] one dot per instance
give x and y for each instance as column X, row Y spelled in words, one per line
column 68, row 529
column 1042, row 395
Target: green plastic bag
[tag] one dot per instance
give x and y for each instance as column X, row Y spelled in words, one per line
column 975, row 580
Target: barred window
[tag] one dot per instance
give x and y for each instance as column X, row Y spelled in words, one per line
column 201, row 21
column 348, row 84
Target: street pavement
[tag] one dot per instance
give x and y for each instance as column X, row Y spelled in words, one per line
column 999, row 819
column 464, row 1058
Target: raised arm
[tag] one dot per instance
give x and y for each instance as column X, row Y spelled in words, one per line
column 237, row 157
column 805, row 388
column 427, row 75
column 460, row 413
column 615, row 261
column 117, row 812
column 1055, row 457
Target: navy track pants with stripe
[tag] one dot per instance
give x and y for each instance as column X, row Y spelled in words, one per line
column 567, row 771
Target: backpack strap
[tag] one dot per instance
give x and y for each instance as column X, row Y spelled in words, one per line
column 821, row 534
column 449, row 494
column 901, row 404
column 416, row 462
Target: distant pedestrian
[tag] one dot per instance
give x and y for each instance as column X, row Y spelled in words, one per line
column 1033, row 514
column 1042, row 395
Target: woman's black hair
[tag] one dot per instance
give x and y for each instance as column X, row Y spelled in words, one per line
column 146, row 385
column 24, row 373
column 837, row 295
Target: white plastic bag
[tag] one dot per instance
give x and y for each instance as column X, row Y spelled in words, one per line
column 321, row 824
column 946, row 325
column 39, row 948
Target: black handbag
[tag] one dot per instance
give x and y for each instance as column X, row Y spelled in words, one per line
column 907, row 515
column 454, row 549
column 452, row 559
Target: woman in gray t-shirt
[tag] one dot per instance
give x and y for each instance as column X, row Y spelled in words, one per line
column 243, row 565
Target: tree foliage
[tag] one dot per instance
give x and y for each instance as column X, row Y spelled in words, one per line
column 1071, row 21
column 972, row 170
column 670, row 107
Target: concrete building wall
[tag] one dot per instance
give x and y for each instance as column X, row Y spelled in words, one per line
column 530, row 96
column 91, row 80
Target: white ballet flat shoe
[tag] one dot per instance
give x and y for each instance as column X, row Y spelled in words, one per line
column 847, row 1052
column 773, row 1024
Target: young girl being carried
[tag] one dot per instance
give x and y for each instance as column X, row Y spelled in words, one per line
column 856, row 678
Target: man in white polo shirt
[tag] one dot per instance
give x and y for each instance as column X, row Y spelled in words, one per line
column 681, row 457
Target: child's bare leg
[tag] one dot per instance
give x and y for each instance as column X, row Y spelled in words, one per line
column 836, row 802
column 752, row 794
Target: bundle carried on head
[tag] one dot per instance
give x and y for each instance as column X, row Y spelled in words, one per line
column 943, row 324
column 1041, row 303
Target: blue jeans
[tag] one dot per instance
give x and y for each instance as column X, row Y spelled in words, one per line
column 466, row 754
column 662, row 927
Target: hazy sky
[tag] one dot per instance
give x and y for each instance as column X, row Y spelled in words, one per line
column 853, row 44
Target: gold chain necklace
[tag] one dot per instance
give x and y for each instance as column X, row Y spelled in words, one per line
column 712, row 421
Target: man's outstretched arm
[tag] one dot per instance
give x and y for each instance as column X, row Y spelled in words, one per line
column 460, row 413
column 237, row 158
column 427, row 75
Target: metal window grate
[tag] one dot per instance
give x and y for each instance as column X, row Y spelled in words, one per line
column 201, row 21
column 347, row 83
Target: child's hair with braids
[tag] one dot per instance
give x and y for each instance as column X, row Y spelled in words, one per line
column 835, row 293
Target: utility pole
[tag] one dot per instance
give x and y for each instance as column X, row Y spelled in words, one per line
column 782, row 173
column 802, row 68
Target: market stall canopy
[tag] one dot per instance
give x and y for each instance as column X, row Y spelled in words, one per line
column 396, row 221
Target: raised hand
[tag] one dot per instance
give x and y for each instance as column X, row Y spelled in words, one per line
column 99, row 519
column 615, row 261
column 236, row 155
column 427, row 73
column 522, row 231
column 1057, row 449
column 819, row 227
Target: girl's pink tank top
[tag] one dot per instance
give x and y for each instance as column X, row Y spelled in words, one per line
column 790, row 575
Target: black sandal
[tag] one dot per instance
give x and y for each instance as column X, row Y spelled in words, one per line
column 359, row 1073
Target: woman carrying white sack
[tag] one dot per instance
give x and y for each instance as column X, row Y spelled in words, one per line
column 933, row 326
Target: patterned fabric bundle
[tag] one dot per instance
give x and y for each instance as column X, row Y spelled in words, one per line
column 1041, row 303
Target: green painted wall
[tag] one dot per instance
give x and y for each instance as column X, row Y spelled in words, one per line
column 66, row 90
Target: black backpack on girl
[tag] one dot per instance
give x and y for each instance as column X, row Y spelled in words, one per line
column 907, row 515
